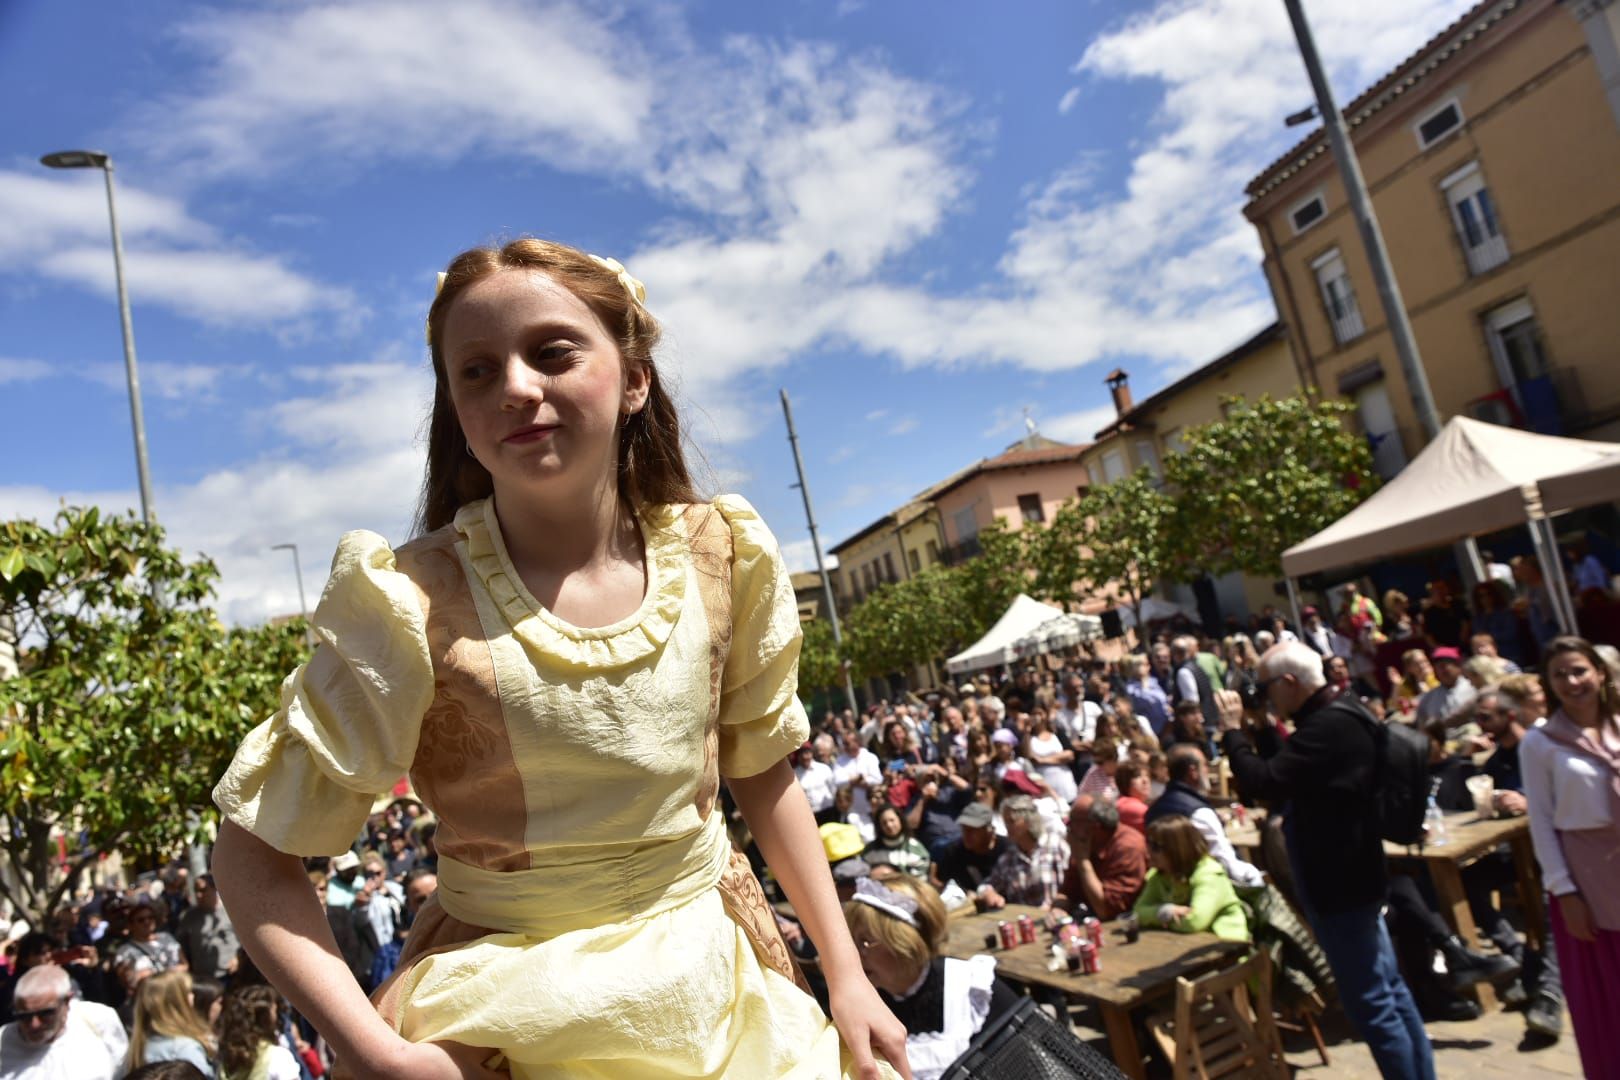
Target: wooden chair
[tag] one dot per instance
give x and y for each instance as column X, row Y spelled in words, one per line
column 1216, row 1030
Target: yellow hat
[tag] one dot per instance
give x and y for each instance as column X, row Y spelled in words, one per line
column 841, row 841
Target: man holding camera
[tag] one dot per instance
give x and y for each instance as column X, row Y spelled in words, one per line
column 1324, row 774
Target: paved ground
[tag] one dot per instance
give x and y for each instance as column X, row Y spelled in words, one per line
column 1492, row 1047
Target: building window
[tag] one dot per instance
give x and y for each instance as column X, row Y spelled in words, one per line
column 1031, row 510
column 1173, row 441
column 1094, row 471
column 1113, row 466
column 1533, row 396
column 1378, row 425
column 870, row 578
column 888, row 567
column 1146, row 458
column 1474, row 215
column 1438, row 124
column 1307, row 213
column 1337, row 297
column 933, row 553
column 966, row 524
column 916, row 561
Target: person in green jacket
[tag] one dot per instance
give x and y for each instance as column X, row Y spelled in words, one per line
column 895, row 846
column 1186, row 890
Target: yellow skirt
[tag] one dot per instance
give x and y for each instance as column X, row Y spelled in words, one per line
column 703, row 988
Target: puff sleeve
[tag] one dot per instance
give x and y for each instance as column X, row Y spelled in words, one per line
column 761, row 718
column 303, row 781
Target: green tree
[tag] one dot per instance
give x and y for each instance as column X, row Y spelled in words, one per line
column 1271, row 474
column 1121, row 530
column 820, row 666
column 905, row 623
column 1055, row 555
column 129, row 698
column 987, row 583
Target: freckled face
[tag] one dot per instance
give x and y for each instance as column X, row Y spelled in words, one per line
column 537, row 381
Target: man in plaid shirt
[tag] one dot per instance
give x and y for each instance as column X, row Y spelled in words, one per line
column 1032, row 868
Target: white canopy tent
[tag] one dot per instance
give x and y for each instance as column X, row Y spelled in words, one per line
column 1060, row 632
column 1022, row 617
column 1473, row 478
column 1153, row 610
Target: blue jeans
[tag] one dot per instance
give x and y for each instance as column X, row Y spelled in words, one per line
column 1371, row 990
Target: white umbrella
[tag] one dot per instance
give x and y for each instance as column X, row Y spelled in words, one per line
column 1059, row 632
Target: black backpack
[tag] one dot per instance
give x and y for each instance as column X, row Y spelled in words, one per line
column 1400, row 779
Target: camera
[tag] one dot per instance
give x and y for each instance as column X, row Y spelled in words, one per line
column 1254, row 699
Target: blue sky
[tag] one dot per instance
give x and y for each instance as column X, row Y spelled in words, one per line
column 920, row 219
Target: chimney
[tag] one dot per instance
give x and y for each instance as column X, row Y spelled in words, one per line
column 1119, row 383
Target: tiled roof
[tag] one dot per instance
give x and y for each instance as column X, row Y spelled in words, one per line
column 1439, row 50
column 1274, row 332
column 1048, row 454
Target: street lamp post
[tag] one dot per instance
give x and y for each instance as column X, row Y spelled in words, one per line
column 94, row 159
column 298, row 571
column 1372, row 239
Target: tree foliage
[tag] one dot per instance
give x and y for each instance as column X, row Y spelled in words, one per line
column 1271, row 474
column 988, row 582
column 904, row 623
column 1122, row 530
column 129, row 700
column 820, row 666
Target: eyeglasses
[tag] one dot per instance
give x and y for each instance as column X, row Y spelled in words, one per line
column 376, row 872
column 38, row 1014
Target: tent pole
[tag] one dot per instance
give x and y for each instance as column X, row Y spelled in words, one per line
column 1469, row 562
column 1545, row 540
column 1552, row 568
column 1293, row 602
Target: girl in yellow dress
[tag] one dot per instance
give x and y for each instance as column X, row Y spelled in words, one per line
column 567, row 660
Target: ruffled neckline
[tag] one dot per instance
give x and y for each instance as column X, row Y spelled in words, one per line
column 594, row 647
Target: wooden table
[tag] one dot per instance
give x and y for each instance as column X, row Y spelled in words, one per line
column 1468, row 838
column 1131, row 975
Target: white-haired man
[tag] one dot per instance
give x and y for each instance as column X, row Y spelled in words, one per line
column 54, row 1036
column 1324, row 772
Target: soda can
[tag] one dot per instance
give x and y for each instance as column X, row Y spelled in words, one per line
column 1026, row 930
column 1090, row 962
column 1240, row 813
column 1094, row 932
column 1008, row 933
column 1070, row 933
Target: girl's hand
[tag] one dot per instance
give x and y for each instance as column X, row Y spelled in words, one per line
column 1577, row 917
column 868, row 1028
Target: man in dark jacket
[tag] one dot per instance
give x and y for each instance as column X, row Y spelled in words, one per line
column 1324, row 773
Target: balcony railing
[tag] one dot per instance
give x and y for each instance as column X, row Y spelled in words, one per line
column 1551, row 404
column 1347, row 326
column 1490, row 252
column 960, row 553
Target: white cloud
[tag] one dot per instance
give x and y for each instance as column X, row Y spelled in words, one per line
column 802, row 170
column 876, row 415
column 1165, row 267
column 185, row 383
column 421, row 79
column 1068, row 101
column 349, row 459
column 22, row 370
column 57, row 226
column 1078, row 427
column 800, row 556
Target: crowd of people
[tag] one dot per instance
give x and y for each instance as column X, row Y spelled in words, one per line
column 1084, row 785
column 149, row 981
